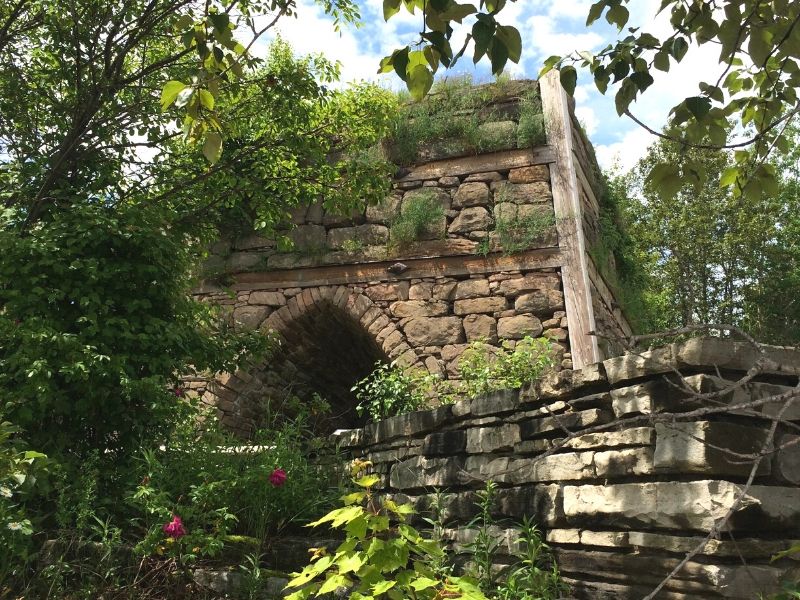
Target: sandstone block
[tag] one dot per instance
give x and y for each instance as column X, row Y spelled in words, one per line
column 480, row 327
column 529, row 283
column 471, row 194
column 418, row 308
column 420, row 291
column 388, row 292
column 540, row 302
column 471, row 288
column 437, row 194
column 448, row 181
column 529, row 174
column 479, row 305
column 557, row 334
column 522, row 193
column 471, row 219
column 505, row 211
column 267, row 298
column 489, row 176
column 624, row 462
column 434, row 331
column 433, row 366
column 515, row 328
column 250, row 317
column 444, row 290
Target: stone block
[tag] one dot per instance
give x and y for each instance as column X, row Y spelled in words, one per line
column 471, row 194
column 409, row 424
column 505, row 211
column 266, row 298
column 434, row 331
column 492, row 439
column 250, row 317
column 658, row 395
column 569, row 421
column 444, row 290
column 480, row 327
column 479, row 305
column 499, row 401
column 471, row 219
column 529, row 174
column 714, row 448
column 446, row 443
column 420, row 291
column 540, row 302
column 515, row 328
column 368, row 235
column 522, row 193
column 421, row 473
column 489, row 176
column 693, row 505
column 529, row 283
column 636, row 436
column 471, row 288
column 385, row 211
column 419, row 308
column 434, row 193
column 388, row 292
column 786, row 465
column 308, row 238
column 624, row 462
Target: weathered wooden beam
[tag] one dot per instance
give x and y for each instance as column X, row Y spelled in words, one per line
column 444, row 266
column 466, row 165
column 569, row 221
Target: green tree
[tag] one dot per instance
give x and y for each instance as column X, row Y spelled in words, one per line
column 756, row 86
column 712, row 256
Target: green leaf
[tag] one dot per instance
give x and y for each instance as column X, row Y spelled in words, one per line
column 498, row 53
column 679, row 48
column 212, row 147
column 569, row 79
column 390, row 8
column 661, row 61
column 698, row 106
column 512, row 41
column 400, row 63
column 595, row 12
column 170, row 92
column 332, row 583
column 382, row 587
column 423, row 583
column 220, row 21
column 665, row 180
column 729, row 177
column 206, row 99
column 625, row 95
column 618, row 15
column 482, row 33
column 419, row 81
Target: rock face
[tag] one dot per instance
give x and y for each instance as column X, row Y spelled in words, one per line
column 624, row 497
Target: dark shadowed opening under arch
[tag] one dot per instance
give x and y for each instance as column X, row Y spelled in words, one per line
column 330, row 352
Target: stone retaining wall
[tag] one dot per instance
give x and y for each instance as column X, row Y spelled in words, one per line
column 632, row 490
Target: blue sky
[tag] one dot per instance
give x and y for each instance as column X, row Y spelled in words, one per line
column 547, row 27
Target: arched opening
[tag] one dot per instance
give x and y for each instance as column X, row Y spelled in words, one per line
column 327, row 351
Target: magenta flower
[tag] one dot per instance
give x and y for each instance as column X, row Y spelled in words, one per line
column 174, row 528
column 278, row 477
column 178, row 391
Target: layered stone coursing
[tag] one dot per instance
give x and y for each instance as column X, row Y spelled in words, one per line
column 624, row 501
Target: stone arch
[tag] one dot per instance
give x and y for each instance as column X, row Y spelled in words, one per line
column 331, row 336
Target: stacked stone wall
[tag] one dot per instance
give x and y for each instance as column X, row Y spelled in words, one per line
column 626, row 465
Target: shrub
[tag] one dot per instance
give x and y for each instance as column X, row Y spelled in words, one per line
column 382, row 554
column 417, row 220
column 484, row 368
column 389, row 391
column 522, row 233
column 220, row 488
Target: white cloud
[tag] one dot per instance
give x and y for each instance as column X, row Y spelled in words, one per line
column 587, row 118
column 626, row 152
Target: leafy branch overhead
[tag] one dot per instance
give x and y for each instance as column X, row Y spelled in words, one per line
column 417, row 63
column 754, row 93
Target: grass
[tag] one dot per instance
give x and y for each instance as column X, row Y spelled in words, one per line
column 416, row 220
column 521, row 233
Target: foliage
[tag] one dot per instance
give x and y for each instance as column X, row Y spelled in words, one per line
column 709, row 256
column 418, row 218
column 756, row 87
column 381, row 556
column 97, row 321
column 19, row 471
column 531, row 578
column 450, row 119
column 521, row 233
column 483, row 548
column 390, row 390
column 484, row 368
column 220, row 488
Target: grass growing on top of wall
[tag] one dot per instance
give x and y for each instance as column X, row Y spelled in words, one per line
column 455, row 114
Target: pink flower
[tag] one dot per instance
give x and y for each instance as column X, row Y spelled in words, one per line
column 278, row 477
column 174, row 528
column 178, row 391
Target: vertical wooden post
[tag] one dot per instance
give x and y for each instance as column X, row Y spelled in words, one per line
column 569, row 223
